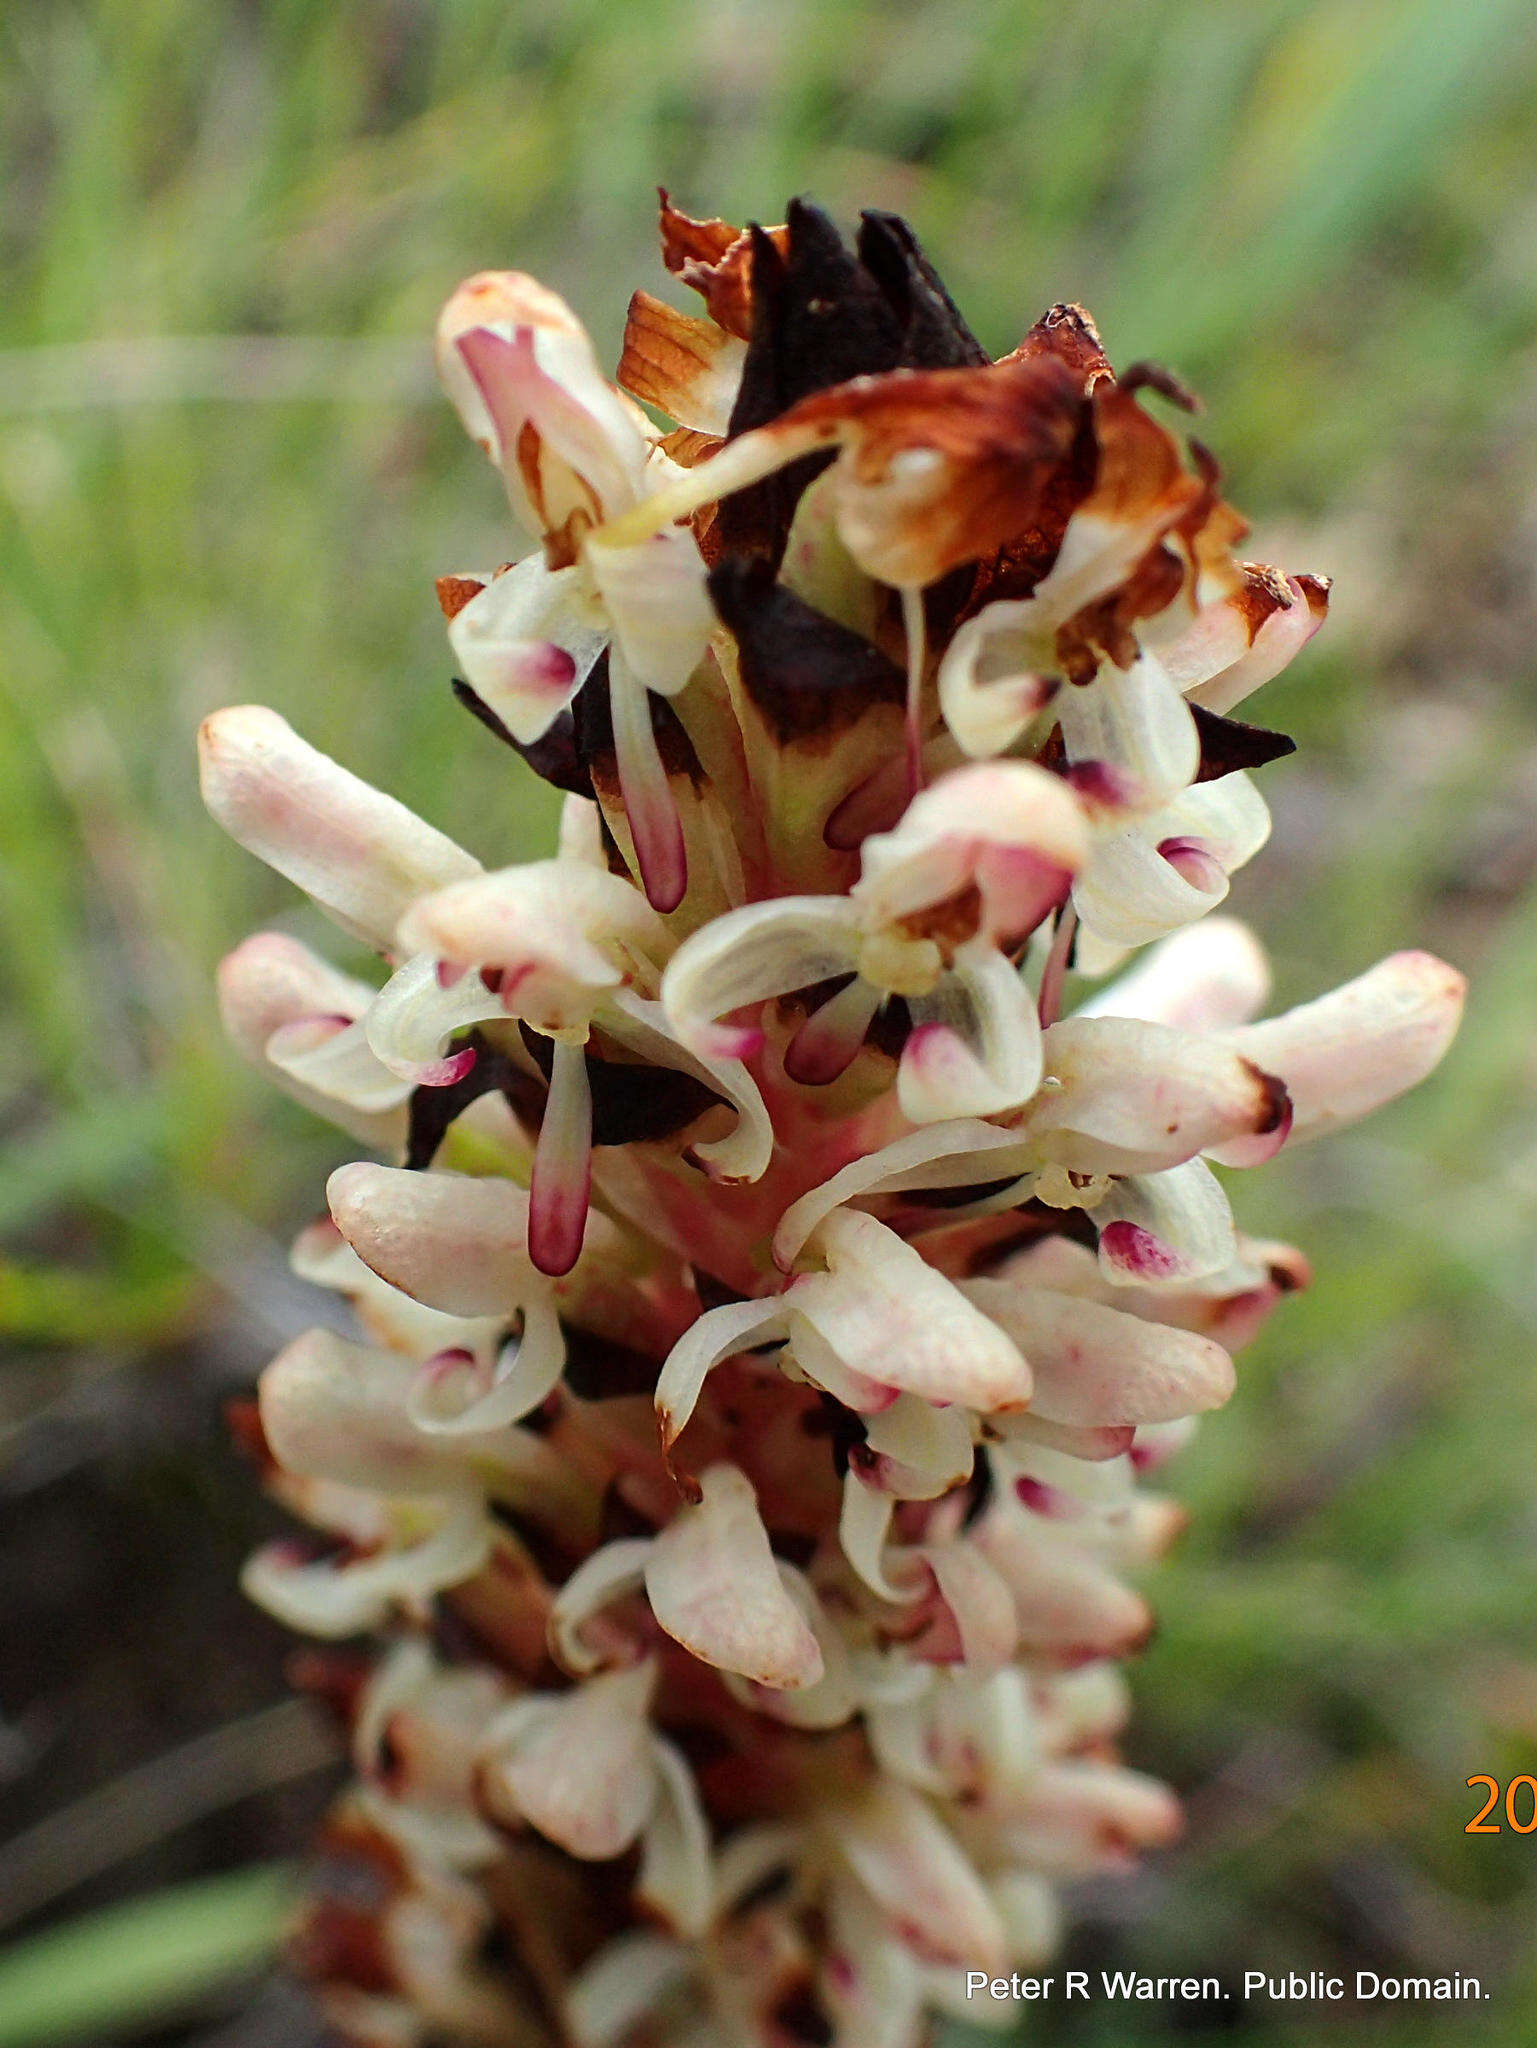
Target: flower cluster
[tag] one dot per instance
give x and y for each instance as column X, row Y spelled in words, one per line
column 767, row 1298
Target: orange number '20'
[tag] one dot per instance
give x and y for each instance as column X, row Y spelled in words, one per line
column 1510, row 1804
column 1476, row 1825
column 1480, row 1825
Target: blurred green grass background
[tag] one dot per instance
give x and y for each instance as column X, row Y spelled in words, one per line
column 224, row 475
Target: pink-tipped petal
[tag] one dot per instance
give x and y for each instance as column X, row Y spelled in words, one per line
column 527, row 643
column 650, row 807
column 1130, row 1097
column 1165, row 1229
column 1346, row 1053
column 1095, row 1366
column 562, row 1177
column 359, row 854
column 588, row 455
column 826, row 1044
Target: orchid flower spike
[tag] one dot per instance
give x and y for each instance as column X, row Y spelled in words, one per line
column 780, row 1259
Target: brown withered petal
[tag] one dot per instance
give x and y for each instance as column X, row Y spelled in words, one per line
column 1067, row 332
column 684, row 366
column 714, row 259
column 1119, row 451
column 1262, row 592
column 1155, row 377
column 686, row 448
column 1140, row 462
column 1106, row 628
column 455, row 592
column 1000, row 432
column 687, row 240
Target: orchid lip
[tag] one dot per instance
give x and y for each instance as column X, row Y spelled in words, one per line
column 562, row 1177
column 828, row 1042
column 1193, row 863
column 1100, row 783
column 652, row 811
column 1138, row 1252
column 445, row 1072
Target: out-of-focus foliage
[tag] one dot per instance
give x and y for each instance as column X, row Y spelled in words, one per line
column 141, row 1957
column 225, row 229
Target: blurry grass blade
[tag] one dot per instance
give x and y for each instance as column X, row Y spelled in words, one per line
column 88, row 1151
column 1344, row 122
column 131, row 1964
column 271, row 1747
column 59, row 1305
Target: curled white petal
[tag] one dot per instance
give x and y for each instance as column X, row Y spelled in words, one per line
column 715, row 1587
column 717, row 1334
column 745, row 1151
column 610, row 1574
column 1165, row 1229
column 618, row 1986
column 1134, row 722
column 331, row 1600
column 917, row 1451
column 527, row 644
column 751, row 1855
column 528, row 1369
column 676, row 1879
column 1031, row 1914
column 995, row 675
column 654, row 593
column 1166, row 869
column 863, row 1527
column 330, row 1058
column 975, row 1046
column 948, row 1155
column 414, row 1016
column 762, row 950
